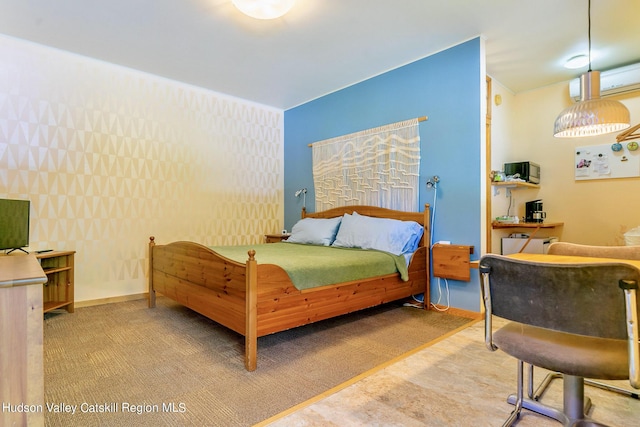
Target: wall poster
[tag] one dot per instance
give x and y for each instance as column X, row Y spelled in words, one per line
column 617, row 160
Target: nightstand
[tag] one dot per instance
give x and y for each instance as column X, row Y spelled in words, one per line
column 275, row 238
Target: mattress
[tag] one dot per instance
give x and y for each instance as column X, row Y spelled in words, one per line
column 310, row 266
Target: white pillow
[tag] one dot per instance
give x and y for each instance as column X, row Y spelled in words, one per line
column 315, row 231
column 384, row 234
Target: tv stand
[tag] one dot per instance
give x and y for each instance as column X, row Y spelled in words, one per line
column 17, row 249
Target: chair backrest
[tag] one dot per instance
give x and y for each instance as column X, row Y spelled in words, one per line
column 582, row 299
column 619, row 252
column 592, row 299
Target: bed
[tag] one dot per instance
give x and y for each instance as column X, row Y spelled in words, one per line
column 255, row 299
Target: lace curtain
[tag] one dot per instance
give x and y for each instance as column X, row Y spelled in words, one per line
column 378, row 167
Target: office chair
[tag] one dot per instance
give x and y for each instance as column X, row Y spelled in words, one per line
column 575, row 249
column 578, row 319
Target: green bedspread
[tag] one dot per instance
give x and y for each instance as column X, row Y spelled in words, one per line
column 310, row 266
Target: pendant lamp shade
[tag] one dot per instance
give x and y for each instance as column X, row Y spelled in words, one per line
column 264, row 9
column 591, row 115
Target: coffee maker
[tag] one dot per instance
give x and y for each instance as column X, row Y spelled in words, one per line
column 534, row 212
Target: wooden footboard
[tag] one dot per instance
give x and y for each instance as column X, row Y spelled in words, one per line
column 256, row 299
column 223, row 290
column 200, row 279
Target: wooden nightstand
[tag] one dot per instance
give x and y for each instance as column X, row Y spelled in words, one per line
column 59, row 268
column 275, row 238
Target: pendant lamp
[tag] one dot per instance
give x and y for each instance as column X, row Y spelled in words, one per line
column 264, row 9
column 591, row 115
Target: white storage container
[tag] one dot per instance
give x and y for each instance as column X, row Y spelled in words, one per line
column 539, row 245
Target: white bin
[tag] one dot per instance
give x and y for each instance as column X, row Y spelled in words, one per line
column 537, row 245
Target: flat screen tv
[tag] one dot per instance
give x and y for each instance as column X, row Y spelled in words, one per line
column 14, row 224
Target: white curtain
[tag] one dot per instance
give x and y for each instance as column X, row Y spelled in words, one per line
column 378, row 167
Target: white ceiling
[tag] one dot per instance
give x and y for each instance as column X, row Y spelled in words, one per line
column 325, row 45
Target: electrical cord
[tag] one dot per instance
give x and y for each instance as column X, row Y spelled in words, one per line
column 433, row 220
column 410, row 304
column 437, row 303
column 433, row 213
column 430, row 184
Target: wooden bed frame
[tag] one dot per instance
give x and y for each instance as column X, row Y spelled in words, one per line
column 259, row 299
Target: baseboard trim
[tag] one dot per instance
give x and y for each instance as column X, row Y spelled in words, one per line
column 459, row 312
column 111, row 300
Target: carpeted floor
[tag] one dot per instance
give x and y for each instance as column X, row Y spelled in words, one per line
column 125, row 364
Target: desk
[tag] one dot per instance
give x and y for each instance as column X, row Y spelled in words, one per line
column 21, row 361
column 571, row 259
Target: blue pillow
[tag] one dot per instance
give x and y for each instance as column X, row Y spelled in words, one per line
column 315, row 231
column 384, row 234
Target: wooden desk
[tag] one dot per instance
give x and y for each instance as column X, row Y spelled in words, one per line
column 571, row 259
column 21, row 361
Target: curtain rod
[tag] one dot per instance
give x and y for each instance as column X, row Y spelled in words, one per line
column 420, row 119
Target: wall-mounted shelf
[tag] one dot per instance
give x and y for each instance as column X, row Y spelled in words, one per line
column 511, row 185
column 496, row 225
column 451, row 261
column 515, row 184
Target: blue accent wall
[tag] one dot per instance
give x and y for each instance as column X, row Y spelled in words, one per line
column 446, row 88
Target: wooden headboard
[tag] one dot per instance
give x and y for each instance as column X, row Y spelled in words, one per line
column 421, row 218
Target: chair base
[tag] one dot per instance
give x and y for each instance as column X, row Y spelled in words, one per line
column 556, row 414
column 575, row 406
column 540, row 408
column 537, row 395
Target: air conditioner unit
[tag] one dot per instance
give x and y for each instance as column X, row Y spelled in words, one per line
column 612, row 82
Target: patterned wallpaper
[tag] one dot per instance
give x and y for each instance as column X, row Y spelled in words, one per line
column 109, row 156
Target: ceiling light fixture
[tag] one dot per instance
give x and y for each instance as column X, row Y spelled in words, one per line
column 264, row 9
column 577, row 61
column 591, row 115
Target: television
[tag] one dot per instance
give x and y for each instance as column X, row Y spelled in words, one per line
column 14, row 224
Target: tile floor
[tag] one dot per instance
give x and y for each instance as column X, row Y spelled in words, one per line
column 455, row 382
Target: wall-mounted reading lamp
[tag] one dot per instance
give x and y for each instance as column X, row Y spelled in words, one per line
column 302, row 191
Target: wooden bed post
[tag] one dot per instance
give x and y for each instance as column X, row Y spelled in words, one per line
column 251, row 318
column 152, row 292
